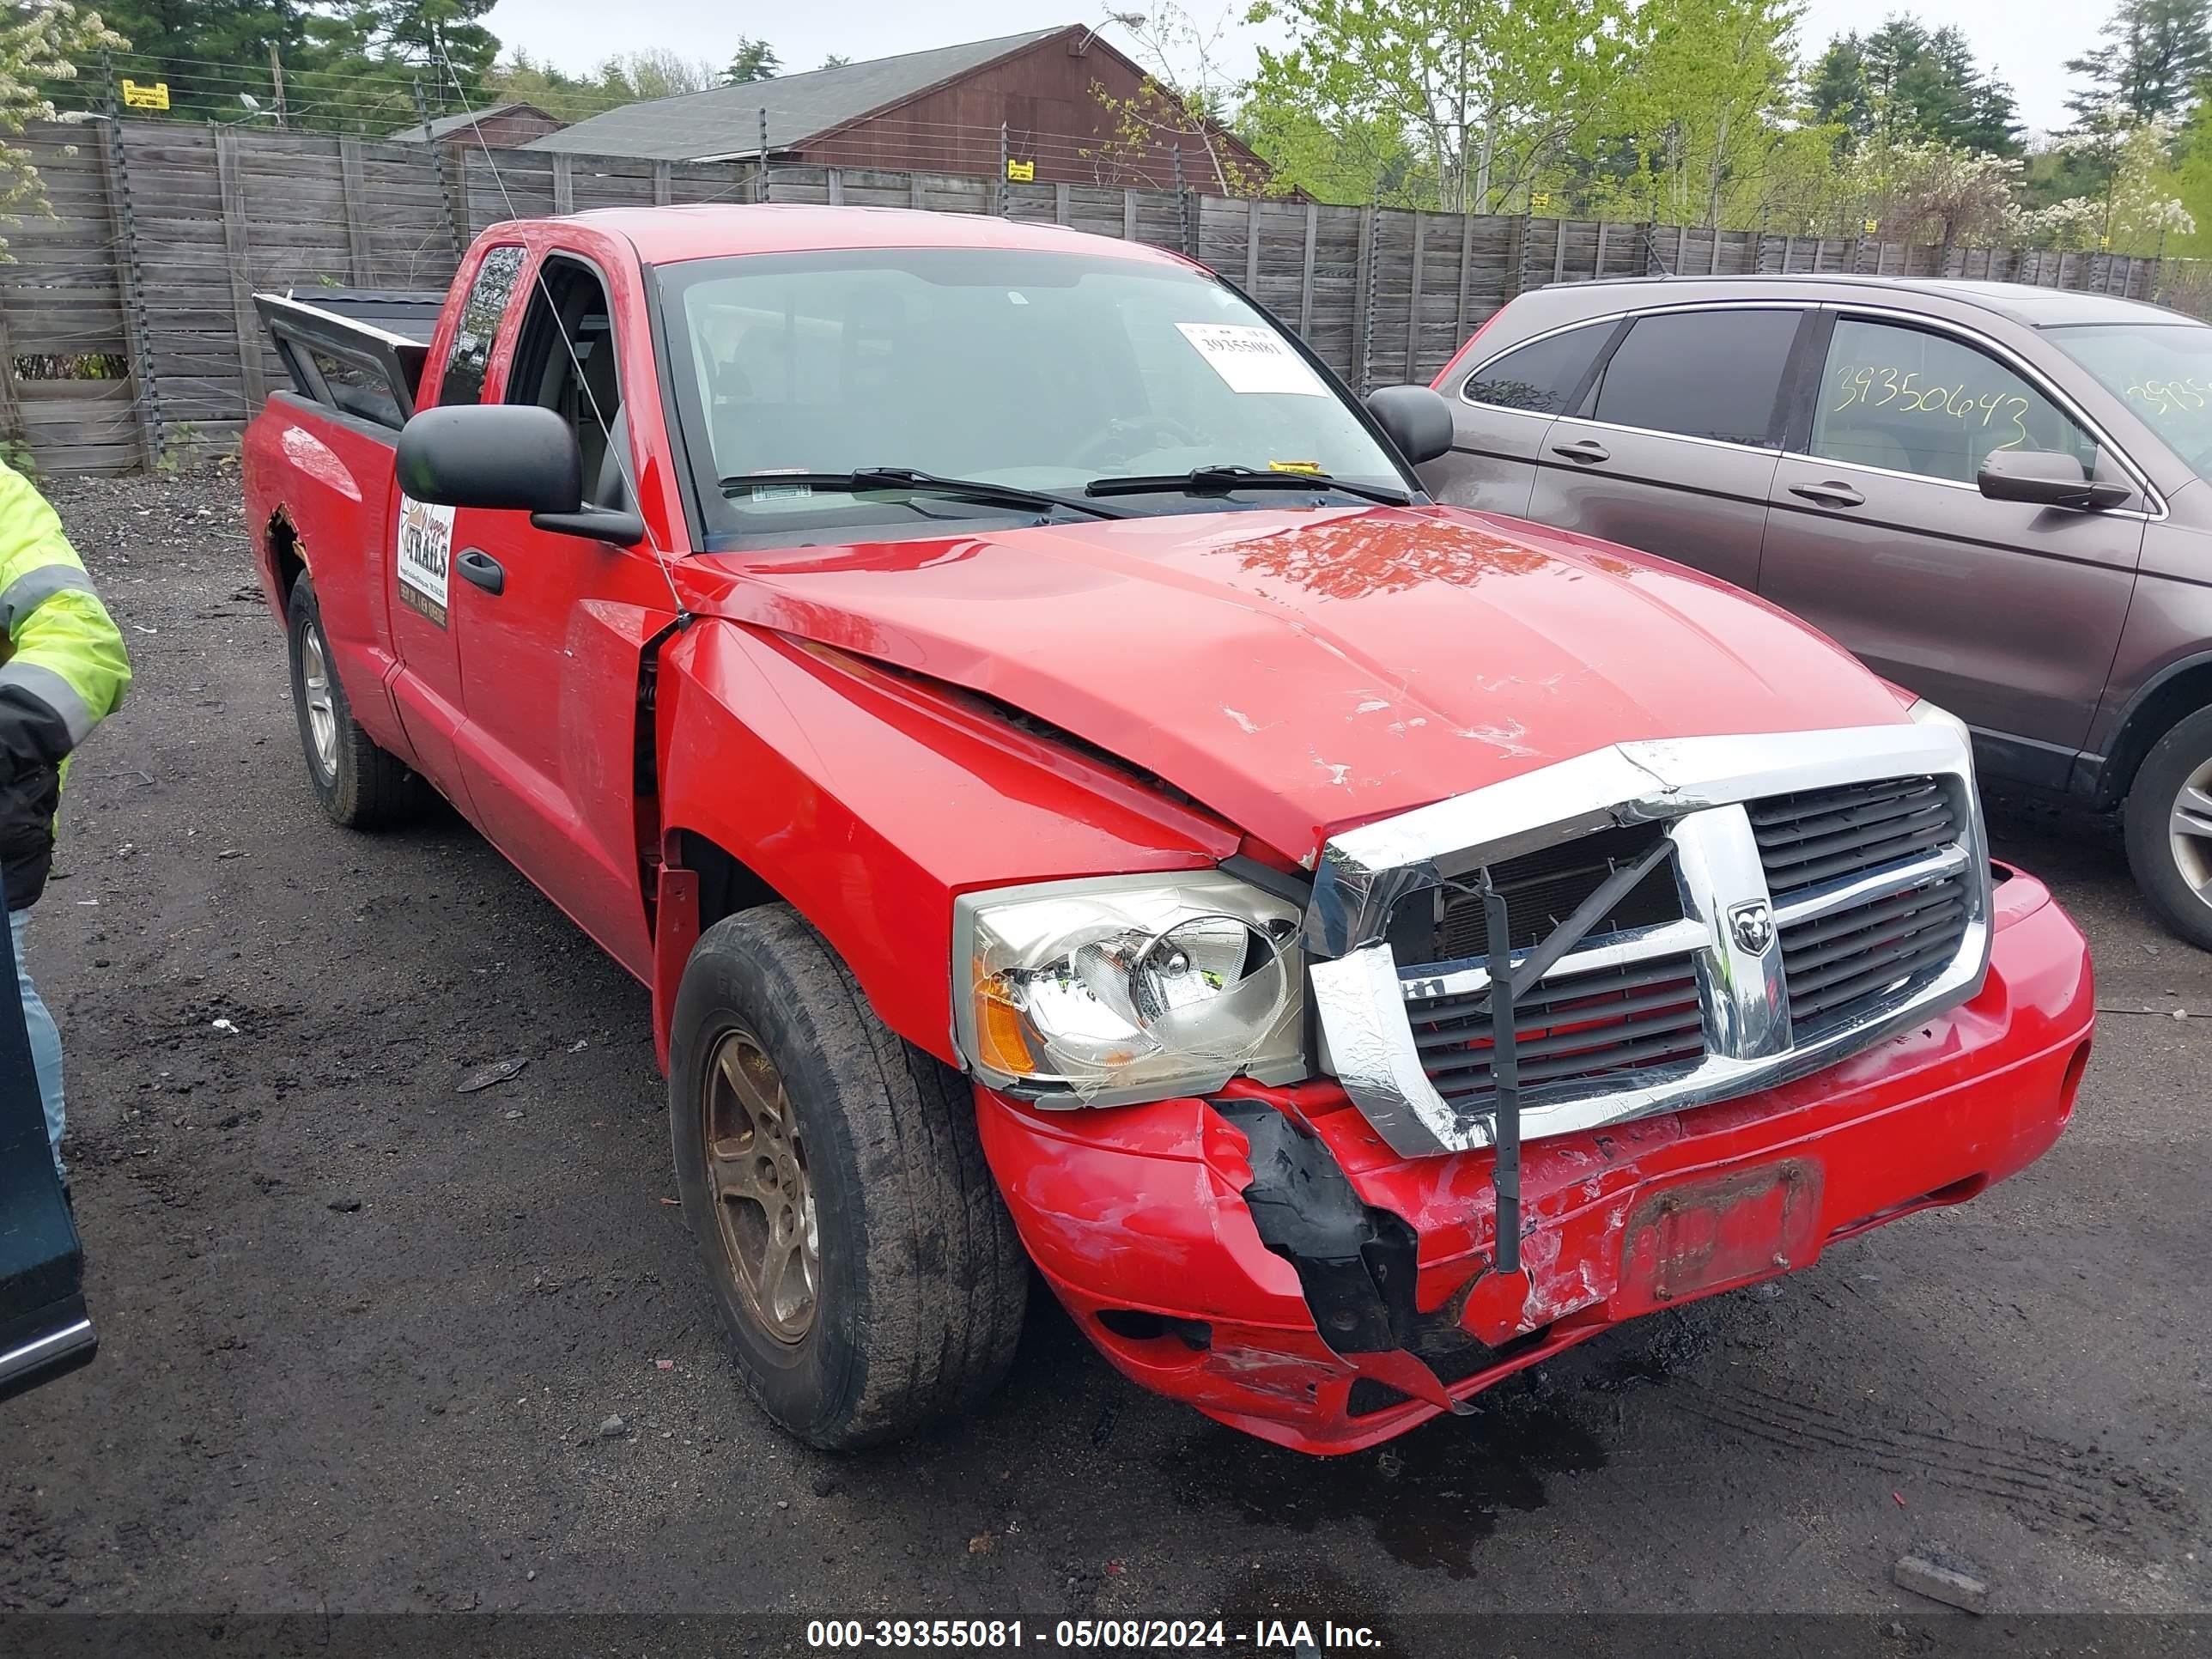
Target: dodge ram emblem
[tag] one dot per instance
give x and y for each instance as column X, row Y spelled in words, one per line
column 1752, row 924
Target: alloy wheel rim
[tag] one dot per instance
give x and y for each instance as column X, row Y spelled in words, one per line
column 322, row 706
column 763, row 1198
column 2188, row 831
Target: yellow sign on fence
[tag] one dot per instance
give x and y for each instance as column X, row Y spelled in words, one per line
column 1021, row 172
column 1873, row 226
column 154, row 97
column 1541, row 202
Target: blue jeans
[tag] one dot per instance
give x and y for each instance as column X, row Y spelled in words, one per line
column 45, row 1035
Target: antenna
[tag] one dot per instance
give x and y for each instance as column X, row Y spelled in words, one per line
column 660, row 557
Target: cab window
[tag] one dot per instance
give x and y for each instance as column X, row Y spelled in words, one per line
column 463, row 381
column 1543, row 376
column 1911, row 400
column 1714, row 374
column 565, row 361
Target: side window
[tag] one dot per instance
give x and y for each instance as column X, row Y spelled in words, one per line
column 1542, row 375
column 1700, row 375
column 564, row 361
column 1909, row 400
column 473, row 335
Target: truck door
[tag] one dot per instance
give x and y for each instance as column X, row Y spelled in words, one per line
column 551, row 629
column 418, row 556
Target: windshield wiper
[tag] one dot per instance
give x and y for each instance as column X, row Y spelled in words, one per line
column 1219, row 480
column 906, row 477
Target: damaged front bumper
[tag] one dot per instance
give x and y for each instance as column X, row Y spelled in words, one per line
column 1264, row 1256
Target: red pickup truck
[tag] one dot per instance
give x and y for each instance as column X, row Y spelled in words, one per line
column 1076, row 801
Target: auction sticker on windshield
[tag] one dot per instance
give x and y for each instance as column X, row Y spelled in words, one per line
column 425, row 557
column 1251, row 358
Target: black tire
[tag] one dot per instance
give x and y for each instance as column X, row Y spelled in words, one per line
column 2181, row 895
column 360, row 786
column 920, row 1286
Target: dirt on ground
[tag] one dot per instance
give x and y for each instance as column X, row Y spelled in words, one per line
column 368, row 1342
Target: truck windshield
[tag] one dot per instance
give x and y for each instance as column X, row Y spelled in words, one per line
column 2163, row 371
column 1033, row 371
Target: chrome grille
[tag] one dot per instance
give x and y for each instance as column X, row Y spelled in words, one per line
column 1572, row 1028
column 1541, row 890
column 1820, row 890
column 1820, row 835
column 1840, row 964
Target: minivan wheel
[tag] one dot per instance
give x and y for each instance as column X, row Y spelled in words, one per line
column 867, row 1273
column 2169, row 828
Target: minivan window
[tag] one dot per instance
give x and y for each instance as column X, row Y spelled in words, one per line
column 463, row 382
column 1910, row 400
column 2163, row 371
column 1541, row 375
column 1700, row 375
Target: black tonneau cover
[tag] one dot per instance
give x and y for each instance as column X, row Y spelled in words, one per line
column 360, row 351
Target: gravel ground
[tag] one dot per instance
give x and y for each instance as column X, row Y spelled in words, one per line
column 363, row 1336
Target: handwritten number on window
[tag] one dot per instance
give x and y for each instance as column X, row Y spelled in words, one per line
column 1878, row 386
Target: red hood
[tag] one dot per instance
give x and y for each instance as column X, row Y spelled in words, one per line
column 1297, row 671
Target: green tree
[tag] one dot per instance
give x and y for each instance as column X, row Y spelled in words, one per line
column 2154, row 54
column 754, row 60
column 206, row 50
column 1836, row 90
column 1484, row 91
column 640, row 76
column 1705, row 107
column 40, row 47
column 439, row 40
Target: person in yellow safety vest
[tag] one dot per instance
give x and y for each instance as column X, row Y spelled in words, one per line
column 63, row 670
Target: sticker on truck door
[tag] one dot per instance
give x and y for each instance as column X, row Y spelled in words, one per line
column 425, row 557
column 1251, row 358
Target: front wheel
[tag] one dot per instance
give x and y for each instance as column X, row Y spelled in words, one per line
column 2169, row 828
column 868, row 1275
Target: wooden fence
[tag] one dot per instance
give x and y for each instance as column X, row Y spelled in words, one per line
column 128, row 333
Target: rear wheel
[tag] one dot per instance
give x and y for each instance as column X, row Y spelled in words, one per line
column 360, row 786
column 867, row 1273
column 2169, row 828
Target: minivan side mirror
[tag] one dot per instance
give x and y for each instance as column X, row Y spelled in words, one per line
column 1417, row 420
column 2043, row 479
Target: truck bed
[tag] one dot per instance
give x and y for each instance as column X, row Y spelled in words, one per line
column 359, row 351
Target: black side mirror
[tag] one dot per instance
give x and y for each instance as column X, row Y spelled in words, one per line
column 2043, row 479
column 1417, row 419
column 504, row 456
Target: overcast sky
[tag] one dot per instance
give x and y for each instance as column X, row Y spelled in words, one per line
column 2026, row 40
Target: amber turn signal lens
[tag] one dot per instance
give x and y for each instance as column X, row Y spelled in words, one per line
column 999, row 1030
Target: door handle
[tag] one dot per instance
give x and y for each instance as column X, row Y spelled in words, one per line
column 482, row 569
column 1830, row 494
column 1583, row 449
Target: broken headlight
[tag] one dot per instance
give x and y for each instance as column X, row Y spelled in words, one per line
column 1122, row 988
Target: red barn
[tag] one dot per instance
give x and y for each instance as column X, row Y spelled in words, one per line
column 1053, row 98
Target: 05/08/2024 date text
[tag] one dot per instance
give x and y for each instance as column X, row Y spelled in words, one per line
column 1284, row 1636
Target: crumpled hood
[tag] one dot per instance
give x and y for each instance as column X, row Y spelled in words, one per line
column 1298, row 671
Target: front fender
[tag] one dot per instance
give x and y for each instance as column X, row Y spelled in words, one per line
column 868, row 801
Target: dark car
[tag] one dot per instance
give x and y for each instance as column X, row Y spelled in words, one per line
column 44, row 1328
column 1995, row 495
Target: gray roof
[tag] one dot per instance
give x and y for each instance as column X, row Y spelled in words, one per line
column 2022, row 302
column 445, row 123
column 725, row 121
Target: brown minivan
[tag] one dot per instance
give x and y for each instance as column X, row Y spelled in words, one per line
column 1995, row 495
